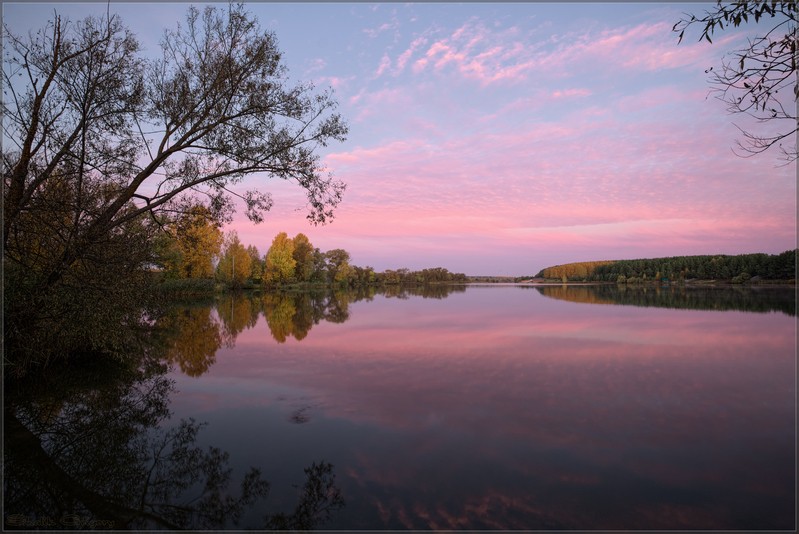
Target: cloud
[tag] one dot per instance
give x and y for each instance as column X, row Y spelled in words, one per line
column 336, row 82
column 386, row 26
column 403, row 58
column 478, row 53
column 568, row 93
column 488, row 55
column 315, row 65
column 385, row 63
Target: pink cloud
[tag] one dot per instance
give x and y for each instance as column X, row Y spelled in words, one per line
column 478, row 53
column 374, row 32
column 385, row 63
column 403, row 58
column 644, row 47
column 568, row 93
column 336, row 82
column 488, row 55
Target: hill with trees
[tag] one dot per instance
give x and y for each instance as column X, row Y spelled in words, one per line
column 736, row 269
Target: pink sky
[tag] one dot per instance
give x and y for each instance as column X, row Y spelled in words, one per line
column 504, row 138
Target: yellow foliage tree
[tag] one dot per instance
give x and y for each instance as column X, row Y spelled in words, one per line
column 257, row 264
column 199, row 240
column 280, row 263
column 235, row 264
column 303, row 255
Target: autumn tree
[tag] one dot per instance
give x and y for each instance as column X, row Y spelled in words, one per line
column 319, row 271
column 256, row 263
column 279, row 264
column 303, row 255
column 758, row 80
column 338, row 265
column 198, row 240
column 235, row 264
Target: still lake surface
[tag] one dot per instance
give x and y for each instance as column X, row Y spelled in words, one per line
column 471, row 407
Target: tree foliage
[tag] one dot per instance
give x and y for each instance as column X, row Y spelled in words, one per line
column 572, row 271
column 196, row 239
column 760, row 79
column 279, row 263
column 256, row 263
column 303, row 256
column 235, row 264
column 675, row 268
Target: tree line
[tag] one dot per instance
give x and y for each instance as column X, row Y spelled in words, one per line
column 194, row 247
column 739, row 268
column 571, row 271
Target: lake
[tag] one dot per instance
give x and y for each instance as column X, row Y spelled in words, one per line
column 467, row 407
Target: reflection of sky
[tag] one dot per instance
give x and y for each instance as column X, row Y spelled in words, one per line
column 499, row 408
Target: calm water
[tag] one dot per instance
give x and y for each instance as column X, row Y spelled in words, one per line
column 480, row 407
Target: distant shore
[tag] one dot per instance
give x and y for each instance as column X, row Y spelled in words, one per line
column 685, row 283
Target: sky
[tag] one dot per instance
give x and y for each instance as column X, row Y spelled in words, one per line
column 502, row 138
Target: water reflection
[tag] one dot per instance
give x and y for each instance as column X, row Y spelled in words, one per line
column 495, row 408
column 197, row 333
column 753, row 299
column 92, row 447
column 499, row 409
column 195, row 337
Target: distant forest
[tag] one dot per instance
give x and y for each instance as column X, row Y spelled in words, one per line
column 737, row 269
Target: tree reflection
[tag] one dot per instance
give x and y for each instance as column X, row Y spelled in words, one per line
column 193, row 334
column 237, row 311
column 279, row 310
column 193, row 337
column 337, row 309
column 755, row 299
column 320, row 497
column 90, row 448
column 295, row 313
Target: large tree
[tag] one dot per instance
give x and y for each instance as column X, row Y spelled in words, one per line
column 101, row 144
column 760, row 79
column 133, row 136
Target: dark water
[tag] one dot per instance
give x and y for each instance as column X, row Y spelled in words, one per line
column 476, row 407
